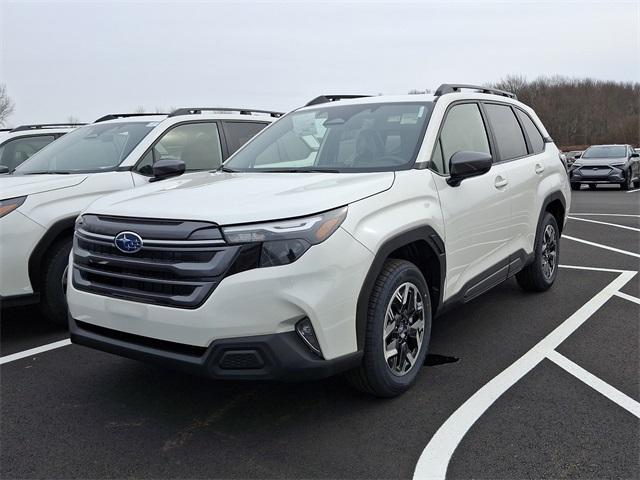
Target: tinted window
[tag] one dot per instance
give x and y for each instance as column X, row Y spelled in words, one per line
column 507, row 131
column 342, row 138
column 463, row 130
column 537, row 142
column 239, row 133
column 196, row 144
column 14, row 152
column 94, row 148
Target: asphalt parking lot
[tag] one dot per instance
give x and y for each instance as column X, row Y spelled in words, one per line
column 517, row 385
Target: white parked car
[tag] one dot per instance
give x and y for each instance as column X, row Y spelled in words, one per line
column 41, row 199
column 18, row 144
column 327, row 243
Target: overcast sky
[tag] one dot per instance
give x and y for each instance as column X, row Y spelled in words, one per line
column 90, row 58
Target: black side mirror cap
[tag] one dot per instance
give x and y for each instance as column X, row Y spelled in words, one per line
column 167, row 168
column 467, row 164
column 577, row 155
column 4, row 169
column 635, row 155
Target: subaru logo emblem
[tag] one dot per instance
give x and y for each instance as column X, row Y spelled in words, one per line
column 128, row 242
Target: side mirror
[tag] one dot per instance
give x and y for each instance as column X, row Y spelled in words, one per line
column 167, row 168
column 465, row 164
column 4, row 169
column 576, row 156
column 635, row 155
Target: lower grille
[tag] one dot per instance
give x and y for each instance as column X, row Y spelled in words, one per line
column 178, row 272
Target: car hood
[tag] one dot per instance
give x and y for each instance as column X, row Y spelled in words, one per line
column 232, row 198
column 600, row 161
column 19, row 185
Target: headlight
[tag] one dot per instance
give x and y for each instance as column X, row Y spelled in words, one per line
column 285, row 241
column 576, row 164
column 617, row 164
column 10, row 204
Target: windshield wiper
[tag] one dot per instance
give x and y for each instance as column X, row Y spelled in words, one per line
column 46, row 172
column 222, row 168
column 299, row 170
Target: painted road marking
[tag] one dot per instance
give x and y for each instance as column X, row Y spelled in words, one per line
column 595, row 269
column 594, row 382
column 599, row 245
column 434, row 461
column 634, row 190
column 605, row 214
column 605, row 223
column 631, row 298
column 34, row 351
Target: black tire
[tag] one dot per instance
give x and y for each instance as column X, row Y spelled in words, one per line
column 575, row 186
column 374, row 375
column 53, row 302
column 636, row 183
column 627, row 184
column 592, row 186
column 533, row 277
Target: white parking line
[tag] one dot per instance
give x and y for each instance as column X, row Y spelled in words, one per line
column 631, row 298
column 594, row 382
column 599, row 245
column 632, row 191
column 595, row 269
column 34, row 351
column 605, row 223
column 434, row 461
column 605, row 214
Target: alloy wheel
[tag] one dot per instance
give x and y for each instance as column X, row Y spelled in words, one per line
column 549, row 251
column 403, row 329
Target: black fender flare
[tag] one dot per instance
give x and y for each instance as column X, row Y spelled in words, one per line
column 435, row 243
column 557, row 195
column 50, row 237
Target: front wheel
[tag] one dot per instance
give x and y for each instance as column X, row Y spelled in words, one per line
column 627, row 184
column 398, row 331
column 540, row 274
column 53, row 301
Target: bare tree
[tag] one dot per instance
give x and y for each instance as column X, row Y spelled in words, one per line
column 73, row 119
column 6, row 104
column 139, row 109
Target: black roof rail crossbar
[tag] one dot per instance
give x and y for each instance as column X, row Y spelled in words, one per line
column 452, row 88
column 115, row 116
column 44, row 126
column 332, row 98
column 243, row 111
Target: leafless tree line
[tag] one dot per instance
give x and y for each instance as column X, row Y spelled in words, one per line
column 581, row 112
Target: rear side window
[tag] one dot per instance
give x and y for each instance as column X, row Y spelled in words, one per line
column 463, row 130
column 14, row 152
column 239, row 133
column 196, row 144
column 507, row 131
column 537, row 142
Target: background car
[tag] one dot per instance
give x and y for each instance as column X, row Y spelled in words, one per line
column 606, row 164
column 18, row 144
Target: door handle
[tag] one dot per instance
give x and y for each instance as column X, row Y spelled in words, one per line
column 501, row 182
column 539, row 168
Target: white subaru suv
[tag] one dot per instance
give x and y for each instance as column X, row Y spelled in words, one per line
column 41, row 198
column 327, row 243
column 19, row 143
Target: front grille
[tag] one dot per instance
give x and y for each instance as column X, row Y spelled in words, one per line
column 178, row 266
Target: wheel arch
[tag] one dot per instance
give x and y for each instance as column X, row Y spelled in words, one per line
column 556, row 205
column 421, row 246
column 60, row 229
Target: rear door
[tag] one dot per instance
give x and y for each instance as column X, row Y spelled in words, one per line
column 521, row 152
column 477, row 213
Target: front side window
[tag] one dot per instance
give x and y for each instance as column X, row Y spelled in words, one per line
column 463, row 130
column 95, row 148
column 340, row 138
column 14, row 152
column 196, row 144
column 537, row 142
column 239, row 133
column 605, row 151
column 507, row 131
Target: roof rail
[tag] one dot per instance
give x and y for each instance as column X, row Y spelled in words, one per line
column 44, row 126
column 332, row 98
column 453, row 88
column 115, row 116
column 243, row 111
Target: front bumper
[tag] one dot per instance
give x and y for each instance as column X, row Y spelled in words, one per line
column 280, row 356
column 597, row 175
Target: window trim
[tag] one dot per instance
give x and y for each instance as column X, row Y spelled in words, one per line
column 223, row 147
column 487, row 128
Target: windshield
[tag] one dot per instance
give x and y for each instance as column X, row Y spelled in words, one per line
column 613, row 151
column 94, row 148
column 346, row 138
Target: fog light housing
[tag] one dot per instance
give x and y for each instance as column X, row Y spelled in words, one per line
column 305, row 331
